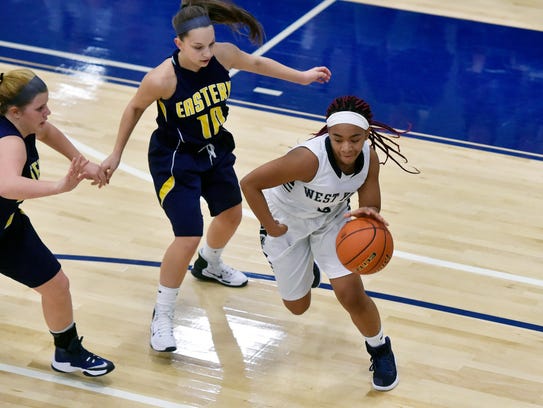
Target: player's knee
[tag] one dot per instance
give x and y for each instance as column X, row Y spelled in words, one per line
column 297, row 307
column 57, row 286
column 231, row 216
column 236, row 214
column 61, row 282
column 355, row 302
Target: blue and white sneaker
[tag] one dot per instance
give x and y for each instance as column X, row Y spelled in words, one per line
column 218, row 272
column 77, row 358
column 383, row 365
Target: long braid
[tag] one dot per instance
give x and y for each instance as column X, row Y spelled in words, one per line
column 377, row 138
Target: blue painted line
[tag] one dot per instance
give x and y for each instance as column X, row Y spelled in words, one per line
column 327, row 286
column 108, row 260
column 457, row 311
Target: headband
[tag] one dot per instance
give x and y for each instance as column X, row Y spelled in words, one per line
column 197, row 22
column 350, row 117
column 28, row 92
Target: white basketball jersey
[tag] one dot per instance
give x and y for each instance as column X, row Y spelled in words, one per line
column 330, row 189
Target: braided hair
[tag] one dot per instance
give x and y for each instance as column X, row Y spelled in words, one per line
column 377, row 138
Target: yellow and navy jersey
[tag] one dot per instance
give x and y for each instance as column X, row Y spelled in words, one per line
column 194, row 115
column 31, row 170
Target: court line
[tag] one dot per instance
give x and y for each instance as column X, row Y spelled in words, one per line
column 457, row 311
column 290, row 29
column 469, row 269
column 74, row 57
column 327, row 286
column 91, row 387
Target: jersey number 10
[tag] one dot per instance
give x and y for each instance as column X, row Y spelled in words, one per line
column 211, row 122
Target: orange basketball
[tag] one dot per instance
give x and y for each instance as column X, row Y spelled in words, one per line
column 364, row 245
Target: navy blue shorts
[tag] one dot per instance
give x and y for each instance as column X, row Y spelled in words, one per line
column 23, row 255
column 182, row 176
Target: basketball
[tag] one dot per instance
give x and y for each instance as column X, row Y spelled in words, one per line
column 364, row 245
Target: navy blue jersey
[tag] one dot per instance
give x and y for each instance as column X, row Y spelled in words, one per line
column 31, row 170
column 195, row 113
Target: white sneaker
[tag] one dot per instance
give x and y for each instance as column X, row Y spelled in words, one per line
column 162, row 338
column 219, row 272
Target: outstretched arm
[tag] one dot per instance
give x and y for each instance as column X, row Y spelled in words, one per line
column 54, row 138
column 231, row 56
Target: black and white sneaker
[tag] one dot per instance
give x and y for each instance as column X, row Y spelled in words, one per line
column 77, row 358
column 218, row 272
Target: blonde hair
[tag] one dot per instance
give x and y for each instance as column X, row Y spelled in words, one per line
column 14, row 89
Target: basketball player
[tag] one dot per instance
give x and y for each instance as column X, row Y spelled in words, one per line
column 190, row 152
column 23, row 256
column 302, row 200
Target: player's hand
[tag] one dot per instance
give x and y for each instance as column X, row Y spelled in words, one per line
column 316, row 74
column 109, row 165
column 277, row 229
column 94, row 172
column 366, row 212
column 74, row 176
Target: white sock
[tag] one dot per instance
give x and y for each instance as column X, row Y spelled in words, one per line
column 63, row 330
column 377, row 340
column 165, row 299
column 211, row 255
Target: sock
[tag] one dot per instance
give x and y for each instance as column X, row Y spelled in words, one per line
column 165, row 299
column 211, row 255
column 64, row 337
column 377, row 340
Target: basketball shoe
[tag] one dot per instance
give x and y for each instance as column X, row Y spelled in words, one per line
column 162, row 338
column 219, row 272
column 77, row 358
column 383, row 365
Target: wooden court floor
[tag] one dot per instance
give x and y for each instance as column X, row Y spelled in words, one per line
column 462, row 298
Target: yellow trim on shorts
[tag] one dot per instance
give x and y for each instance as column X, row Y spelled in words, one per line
column 166, row 188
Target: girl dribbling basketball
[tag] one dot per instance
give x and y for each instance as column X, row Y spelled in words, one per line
column 302, row 200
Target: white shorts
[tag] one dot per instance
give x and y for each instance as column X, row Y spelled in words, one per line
column 291, row 255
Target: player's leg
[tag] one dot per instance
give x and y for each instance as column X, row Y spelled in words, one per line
column 26, row 259
column 350, row 292
column 220, row 188
column 178, row 188
column 173, row 269
column 209, row 265
column 70, row 355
